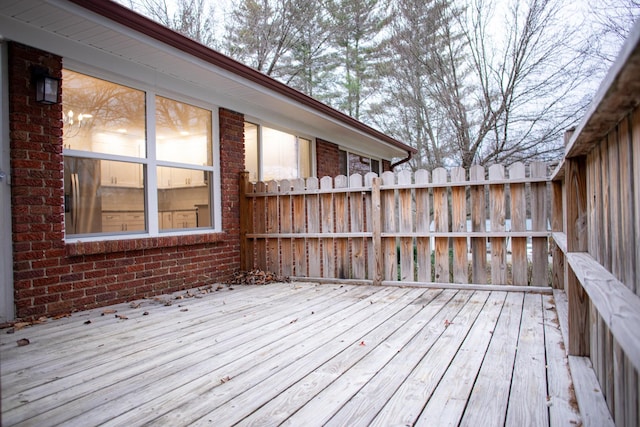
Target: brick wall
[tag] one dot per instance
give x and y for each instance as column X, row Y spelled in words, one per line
column 52, row 276
column 328, row 158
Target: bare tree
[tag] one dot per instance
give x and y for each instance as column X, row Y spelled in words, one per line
column 191, row 18
column 487, row 96
column 261, row 33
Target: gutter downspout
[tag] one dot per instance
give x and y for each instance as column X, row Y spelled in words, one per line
column 398, row 163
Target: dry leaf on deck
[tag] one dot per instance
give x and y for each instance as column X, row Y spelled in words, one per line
column 22, row 342
column 108, row 311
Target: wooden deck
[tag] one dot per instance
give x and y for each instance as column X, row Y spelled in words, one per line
column 296, row 354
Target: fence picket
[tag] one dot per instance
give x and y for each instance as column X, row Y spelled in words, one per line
column 342, row 226
column 260, row 226
column 459, row 224
column 441, row 220
column 327, row 221
column 356, row 211
column 273, row 259
column 497, row 216
column 313, row 226
column 539, row 220
column 388, row 203
column 406, row 226
column 519, row 267
column 297, row 203
column 286, row 244
column 478, row 224
column 423, row 219
column 372, row 258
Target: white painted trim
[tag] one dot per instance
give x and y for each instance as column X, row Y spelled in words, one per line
column 7, row 309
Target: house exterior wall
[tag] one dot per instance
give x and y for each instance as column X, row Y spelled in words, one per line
column 327, row 158
column 52, row 276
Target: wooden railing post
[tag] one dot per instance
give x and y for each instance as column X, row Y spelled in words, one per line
column 577, row 241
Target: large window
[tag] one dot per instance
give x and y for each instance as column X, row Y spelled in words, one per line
column 273, row 154
column 134, row 161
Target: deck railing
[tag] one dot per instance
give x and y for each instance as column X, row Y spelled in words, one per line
column 451, row 227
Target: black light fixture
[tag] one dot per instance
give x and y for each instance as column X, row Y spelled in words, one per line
column 47, row 87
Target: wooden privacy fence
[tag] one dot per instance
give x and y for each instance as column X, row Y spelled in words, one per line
column 410, row 228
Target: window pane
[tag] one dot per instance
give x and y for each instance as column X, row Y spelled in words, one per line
column 183, row 198
column 304, row 155
column 102, row 117
column 103, row 196
column 183, row 132
column 279, row 155
column 251, row 150
column 359, row 164
column 343, row 163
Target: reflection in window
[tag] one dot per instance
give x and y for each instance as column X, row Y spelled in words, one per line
column 183, row 198
column 107, row 191
column 183, row 132
column 271, row 154
column 94, row 198
column 102, row 117
column 351, row 163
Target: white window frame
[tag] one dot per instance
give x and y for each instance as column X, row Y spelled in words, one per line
column 150, row 163
column 356, row 153
column 260, row 124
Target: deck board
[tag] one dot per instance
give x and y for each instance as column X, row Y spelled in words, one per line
column 296, row 354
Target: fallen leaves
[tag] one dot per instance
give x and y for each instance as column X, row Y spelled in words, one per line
column 22, row 342
column 121, row 317
column 108, row 311
column 447, row 323
column 257, row 277
column 225, row 379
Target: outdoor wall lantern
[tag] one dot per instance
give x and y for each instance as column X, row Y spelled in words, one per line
column 47, row 87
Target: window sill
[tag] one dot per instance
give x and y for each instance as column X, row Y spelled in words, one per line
column 79, row 247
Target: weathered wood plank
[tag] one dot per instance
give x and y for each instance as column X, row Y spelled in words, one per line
column 260, row 224
column 577, row 241
column 497, row 215
column 341, row 206
column 313, row 226
column 618, row 306
column 327, row 222
column 259, row 358
column 441, row 221
column 487, row 404
column 447, row 404
column 344, row 376
column 246, row 222
column 273, row 252
column 539, row 220
column 286, row 221
column 299, row 226
column 389, row 225
column 593, row 408
column 407, row 403
column 459, row 224
column 405, row 214
column 423, row 219
column 527, row 402
column 519, row 261
column 563, row 409
column 357, row 218
column 363, row 407
column 478, row 223
column 290, row 367
column 376, row 262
